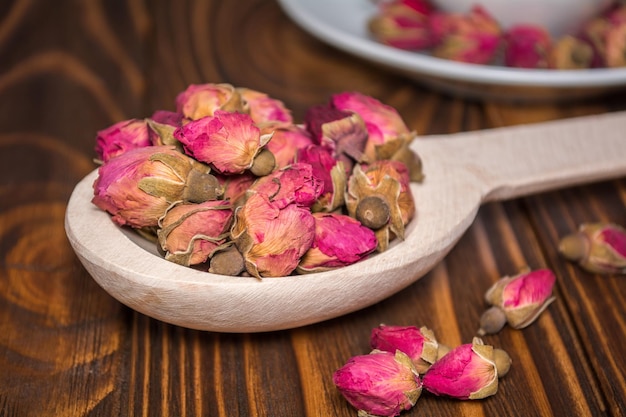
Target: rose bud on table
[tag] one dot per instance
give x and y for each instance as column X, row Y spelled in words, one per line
column 517, row 300
column 468, row 372
column 597, row 247
column 380, row 383
column 201, row 100
column 121, row 137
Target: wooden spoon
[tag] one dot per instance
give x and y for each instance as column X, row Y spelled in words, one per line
column 462, row 171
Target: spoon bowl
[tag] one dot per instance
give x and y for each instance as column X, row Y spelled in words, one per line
column 462, row 171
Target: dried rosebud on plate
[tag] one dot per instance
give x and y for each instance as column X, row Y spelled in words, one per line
column 330, row 172
column 570, row 52
column 517, row 300
column 295, row 183
column 286, row 141
column 121, row 137
column 264, row 109
column 419, row 344
column 403, row 24
column 597, row 247
column 379, row 384
column 201, row 100
column 468, row 372
column 527, row 46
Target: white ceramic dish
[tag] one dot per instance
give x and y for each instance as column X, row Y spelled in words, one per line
column 462, row 171
column 343, row 24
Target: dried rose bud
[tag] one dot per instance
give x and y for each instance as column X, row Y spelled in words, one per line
column 597, row 247
column 517, row 300
column 403, row 24
column 230, row 142
column 381, row 199
column 227, row 260
column 597, row 29
column 379, row 384
column 139, row 185
column 570, row 52
column 272, row 240
column 468, row 372
column 190, row 233
column 285, row 142
column 295, row 183
column 419, row 344
column 236, row 186
column 201, row 100
column 339, row 241
column 527, row 46
column 616, row 46
column 474, row 37
column 121, row 137
column 388, row 135
column 330, row 172
column 264, row 109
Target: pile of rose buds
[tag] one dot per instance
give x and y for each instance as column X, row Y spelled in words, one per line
column 229, row 183
column 597, row 247
column 476, row 37
column 405, row 360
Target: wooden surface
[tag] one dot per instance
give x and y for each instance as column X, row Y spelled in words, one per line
column 70, row 68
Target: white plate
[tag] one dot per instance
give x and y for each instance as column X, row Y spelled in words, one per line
column 343, row 24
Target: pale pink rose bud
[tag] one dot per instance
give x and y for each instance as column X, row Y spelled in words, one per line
column 403, row 24
column 597, row 247
column 468, row 372
column 121, row 137
column 189, row 234
column 527, row 46
column 380, row 198
column 379, row 384
column 570, row 52
column 517, row 300
column 474, row 37
column 286, row 140
column 138, row 186
column 272, row 240
column 339, row 241
column 331, row 173
column 264, row 109
column 230, row 142
column 201, row 100
column 419, row 344
column 295, row 183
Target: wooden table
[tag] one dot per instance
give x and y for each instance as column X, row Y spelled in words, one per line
column 70, row 68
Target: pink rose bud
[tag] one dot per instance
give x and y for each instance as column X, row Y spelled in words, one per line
column 331, row 173
column 597, row 247
column 379, row 384
column 403, row 24
column 236, row 186
column 201, row 100
column 190, row 233
column 272, row 240
column 527, row 46
column 570, row 52
column 597, row 29
column 468, row 372
column 616, row 46
column 380, row 198
column 474, row 37
column 419, row 344
column 286, row 141
column 230, row 142
column 121, row 137
column 138, row 186
column 293, row 184
column 517, row 300
column 339, row 241
column 264, row 109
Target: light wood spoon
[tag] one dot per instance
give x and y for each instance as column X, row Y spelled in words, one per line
column 462, row 171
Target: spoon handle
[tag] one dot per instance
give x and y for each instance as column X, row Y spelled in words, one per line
column 521, row 160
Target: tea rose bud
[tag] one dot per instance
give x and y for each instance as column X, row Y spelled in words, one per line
column 190, row 233
column 527, row 46
column 138, row 186
column 468, row 372
column 293, row 184
column 474, row 37
column 286, row 141
column 272, row 240
column 380, row 383
column 201, row 100
column 419, row 344
column 339, row 240
column 230, row 142
column 570, row 52
column 597, row 247
column 121, row 137
column 517, row 300
column 381, row 199
column 331, row 173
column 403, row 24
column 264, row 109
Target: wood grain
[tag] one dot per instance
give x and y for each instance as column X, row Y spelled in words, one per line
column 69, row 68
